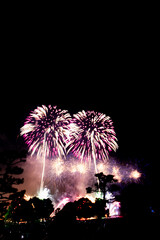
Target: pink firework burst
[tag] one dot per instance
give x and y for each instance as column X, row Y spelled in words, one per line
column 93, row 136
column 46, row 130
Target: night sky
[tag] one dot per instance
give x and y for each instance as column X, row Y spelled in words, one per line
column 134, row 120
column 133, row 107
column 116, row 74
column 109, row 66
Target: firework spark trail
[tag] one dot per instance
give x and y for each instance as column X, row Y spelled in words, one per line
column 92, row 137
column 46, row 132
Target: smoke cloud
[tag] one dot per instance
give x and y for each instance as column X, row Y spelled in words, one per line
column 70, row 178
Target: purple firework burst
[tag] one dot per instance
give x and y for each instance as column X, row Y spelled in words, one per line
column 46, row 131
column 93, row 136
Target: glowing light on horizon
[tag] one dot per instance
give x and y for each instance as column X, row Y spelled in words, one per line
column 27, row 197
column 116, row 173
column 58, row 166
column 44, row 194
column 100, row 167
column 135, row 174
column 114, row 208
column 81, row 168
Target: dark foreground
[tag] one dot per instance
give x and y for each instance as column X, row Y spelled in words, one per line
column 91, row 229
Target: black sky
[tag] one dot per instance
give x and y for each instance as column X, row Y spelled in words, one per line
column 134, row 119
column 111, row 69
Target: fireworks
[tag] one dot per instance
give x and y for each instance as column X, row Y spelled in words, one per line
column 45, row 131
column 27, row 197
column 135, row 174
column 44, row 194
column 90, row 135
column 93, row 136
column 52, row 133
column 58, row 167
column 116, row 173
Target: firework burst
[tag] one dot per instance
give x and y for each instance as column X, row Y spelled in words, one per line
column 46, row 131
column 93, row 136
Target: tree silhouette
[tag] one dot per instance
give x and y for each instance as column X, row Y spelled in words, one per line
column 84, row 208
column 105, row 183
column 9, row 161
column 30, row 211
column 42, row 208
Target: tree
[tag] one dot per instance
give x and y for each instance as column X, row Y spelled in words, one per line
column 67, row 213
column 42, row 208
column 84, row 208
column 31, row 210
column 9, row 161
column 105, row 183
column 19, row 209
